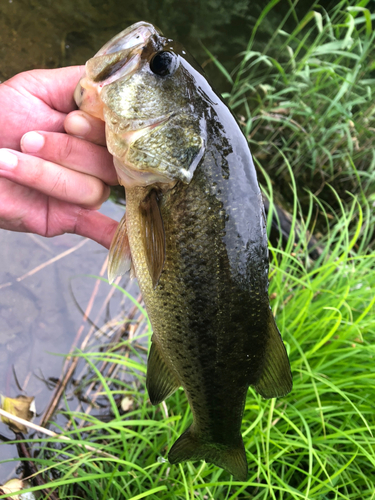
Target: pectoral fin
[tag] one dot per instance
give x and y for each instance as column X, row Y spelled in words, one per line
column 276, row 378
column 160, row 381
column 153, row 235
column 119, row 260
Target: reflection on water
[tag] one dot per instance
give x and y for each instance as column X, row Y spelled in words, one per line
column 43, row 33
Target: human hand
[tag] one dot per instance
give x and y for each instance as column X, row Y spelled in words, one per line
column 52, row 182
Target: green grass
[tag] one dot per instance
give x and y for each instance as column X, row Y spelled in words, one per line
column 309, row 95
column 318, row 442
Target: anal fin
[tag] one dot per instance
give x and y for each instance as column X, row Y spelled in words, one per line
column 119, row 260
column 153, row 235
column 160, row 381
column 276, row 378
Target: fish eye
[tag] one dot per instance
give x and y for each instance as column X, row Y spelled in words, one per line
column 163, row 63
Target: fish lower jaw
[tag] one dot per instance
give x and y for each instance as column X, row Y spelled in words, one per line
column 130, row 177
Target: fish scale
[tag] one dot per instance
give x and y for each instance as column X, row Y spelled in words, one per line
column 195, row 232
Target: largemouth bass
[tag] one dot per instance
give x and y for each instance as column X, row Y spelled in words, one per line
column 194, row 232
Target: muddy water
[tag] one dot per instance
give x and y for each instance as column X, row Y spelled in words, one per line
column 48, row 33
column 44, row 286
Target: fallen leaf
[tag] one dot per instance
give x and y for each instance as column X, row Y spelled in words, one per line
column 22, row 407
column 126, row 404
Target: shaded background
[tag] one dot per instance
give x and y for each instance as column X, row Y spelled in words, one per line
column 49, row 33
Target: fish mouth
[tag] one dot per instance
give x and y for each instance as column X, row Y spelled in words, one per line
column 136, row 34
column 120, row 57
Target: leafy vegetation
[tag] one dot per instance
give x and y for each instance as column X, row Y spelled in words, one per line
column 309, row 96
column 308, row 114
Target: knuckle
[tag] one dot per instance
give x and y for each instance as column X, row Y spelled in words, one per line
column 64, row 148
column 97, row 194
column 59, row 186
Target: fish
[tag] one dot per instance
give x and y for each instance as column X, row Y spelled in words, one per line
column 194, row 234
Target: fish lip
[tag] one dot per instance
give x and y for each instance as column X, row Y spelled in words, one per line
column 124, row 40
column 123, row 63
column 120, row 57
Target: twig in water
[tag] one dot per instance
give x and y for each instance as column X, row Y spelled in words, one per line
column 54, row 259
column 47, row 263
column 91, row 331
column 130, row 329
column 23, row 451
column 39, row 242
column 69, row 370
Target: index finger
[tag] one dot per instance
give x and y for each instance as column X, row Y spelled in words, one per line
column 55, row 86
column 36, row 100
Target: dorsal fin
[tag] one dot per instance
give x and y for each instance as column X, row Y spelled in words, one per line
column 119, row 260
column 153, row 235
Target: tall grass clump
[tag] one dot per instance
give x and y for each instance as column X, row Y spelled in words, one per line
column 310, row 94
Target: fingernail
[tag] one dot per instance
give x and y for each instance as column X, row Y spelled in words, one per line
column 8, row 161
column 32, row 142
column 77, row 125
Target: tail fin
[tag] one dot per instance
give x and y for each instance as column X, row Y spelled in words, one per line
column 189, row 446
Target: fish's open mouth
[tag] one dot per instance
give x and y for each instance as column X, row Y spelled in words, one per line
column 118, row 58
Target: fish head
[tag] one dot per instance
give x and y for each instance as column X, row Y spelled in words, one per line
column 148, row 90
